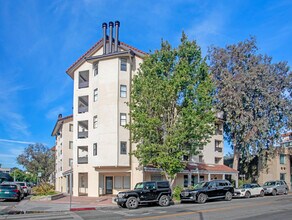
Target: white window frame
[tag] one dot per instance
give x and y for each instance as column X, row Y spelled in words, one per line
column 123, row 91
column 95, row 69
column 123, row 119
column 94, row 148
column 124, row 151
column 95, row 121
column 70, row 144
column 95, row 95
column 123, row 66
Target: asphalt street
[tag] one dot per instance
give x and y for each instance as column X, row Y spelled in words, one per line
column 268, row 208
column 9, row 204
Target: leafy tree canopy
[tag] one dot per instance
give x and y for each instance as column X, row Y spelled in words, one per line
column 37, row 158
column 171, row 106
column 255, row 96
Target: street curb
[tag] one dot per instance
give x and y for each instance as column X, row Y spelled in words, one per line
column 82, row 209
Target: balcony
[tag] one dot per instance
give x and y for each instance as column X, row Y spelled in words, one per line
column 82, row 129
column 83, row 134
column 82, row 160
column 83, row 79
column 83, row 84
column 218, row 149
column 218, row 132
column 82, row 109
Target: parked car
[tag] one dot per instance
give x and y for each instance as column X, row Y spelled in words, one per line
column 26, row 188
column 248, row 190
column 11, row 191
column 145, row 192
column 215, row 189
column 276, row 187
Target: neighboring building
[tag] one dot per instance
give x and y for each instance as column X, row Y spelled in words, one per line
column 6, row 170
column 101, row 160
column 279, row 167
column 207, row 165
column 63, row 131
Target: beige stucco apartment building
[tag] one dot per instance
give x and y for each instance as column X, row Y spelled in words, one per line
column 101, row 144
column 63, row 132
column 279, row 167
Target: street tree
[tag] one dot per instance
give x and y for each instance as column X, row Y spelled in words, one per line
column 255, row 96
column 37, row 158
column 171, row 107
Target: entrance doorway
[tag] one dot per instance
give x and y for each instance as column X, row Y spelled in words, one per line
column 109, row 185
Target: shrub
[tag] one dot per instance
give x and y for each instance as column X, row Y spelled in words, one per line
column 176, row 192
column 44, row 189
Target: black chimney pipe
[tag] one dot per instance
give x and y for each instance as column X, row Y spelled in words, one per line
column 104, row 27
column 117, row 24
column 111, row 24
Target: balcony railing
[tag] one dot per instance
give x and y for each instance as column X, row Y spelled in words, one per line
column 83, row 84
column 218, row 149
column 83, row 109
column 218, row 132
column 83, row 134
column 83, row 160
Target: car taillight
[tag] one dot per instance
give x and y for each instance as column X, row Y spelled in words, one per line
column 16, row 190
column 24, row 187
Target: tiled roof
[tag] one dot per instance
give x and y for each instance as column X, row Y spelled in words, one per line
column 94, row 48
column 84, row 55
column 64, row 118
column 287, row 134
column 211, row 168
column 133, row 48
column 53, row 148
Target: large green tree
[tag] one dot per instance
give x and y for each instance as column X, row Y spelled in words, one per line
column 37, row 158
column 171, row 107
column 255, row 96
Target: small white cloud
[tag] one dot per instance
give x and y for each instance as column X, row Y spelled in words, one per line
column 53, row 113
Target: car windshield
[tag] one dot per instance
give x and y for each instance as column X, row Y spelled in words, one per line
column 139, row 186
column 199, row 185
column 245, row 186
column 272, row 183
column 8, row 186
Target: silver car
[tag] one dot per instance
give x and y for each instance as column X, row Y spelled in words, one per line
column 276, row 187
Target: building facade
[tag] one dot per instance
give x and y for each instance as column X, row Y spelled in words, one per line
column 63, row 150
column 101, row 143
column 279, row 167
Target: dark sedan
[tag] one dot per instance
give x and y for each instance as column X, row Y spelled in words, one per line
column 11, row 191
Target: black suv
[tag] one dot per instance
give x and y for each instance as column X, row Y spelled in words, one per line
column 145, row 192
column 215, row 189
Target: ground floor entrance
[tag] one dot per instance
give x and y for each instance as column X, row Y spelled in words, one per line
column 108, row 185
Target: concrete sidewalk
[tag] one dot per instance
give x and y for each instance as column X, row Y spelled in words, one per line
column 63, row 204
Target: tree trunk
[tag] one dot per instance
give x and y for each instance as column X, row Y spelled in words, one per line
column 235, row 158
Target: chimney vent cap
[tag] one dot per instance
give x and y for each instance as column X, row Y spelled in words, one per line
column 117, row 23
column 104, row 24
column 111, row 23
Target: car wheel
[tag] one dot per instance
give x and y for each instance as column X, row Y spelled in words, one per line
column 247, row 195
column 164, row 200
column 18, row 198
column 202, row 198
column 132, row 203
column 262, row 193
column 228, row 196
column 274, row 192
column 285, row 191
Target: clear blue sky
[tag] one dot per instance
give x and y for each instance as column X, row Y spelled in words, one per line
column 40, row 39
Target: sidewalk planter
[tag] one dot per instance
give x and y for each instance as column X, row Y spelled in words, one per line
column 47, row 198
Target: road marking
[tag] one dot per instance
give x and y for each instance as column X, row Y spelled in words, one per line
column 203, row 211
